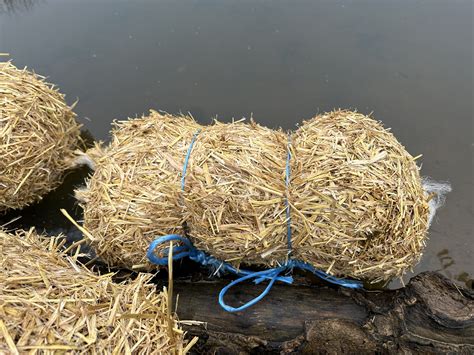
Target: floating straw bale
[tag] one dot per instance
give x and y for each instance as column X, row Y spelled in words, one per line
column 38, row 134
column 356, row 199
column 134, row 193
column 358, row 204
column 51, row 304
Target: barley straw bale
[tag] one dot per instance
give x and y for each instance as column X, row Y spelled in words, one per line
column 38, row 134
column 359, row 208
column 134, row 193
column 51, row 304
column 234, row 198
column 357, row 204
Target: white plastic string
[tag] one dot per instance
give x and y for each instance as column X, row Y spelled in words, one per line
column 83, row 159
column 440, row 189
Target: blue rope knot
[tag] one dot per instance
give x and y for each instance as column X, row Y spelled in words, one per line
column 187, row 249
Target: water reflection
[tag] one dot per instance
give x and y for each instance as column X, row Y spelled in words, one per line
column 446, row 262
column 445, row 259
column 15, row 6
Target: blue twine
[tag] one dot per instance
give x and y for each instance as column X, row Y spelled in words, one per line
column 186, row 159
column 272, row 275
column 220, row 267
column 287, row 202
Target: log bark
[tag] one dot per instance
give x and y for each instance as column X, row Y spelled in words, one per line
column 429, row 315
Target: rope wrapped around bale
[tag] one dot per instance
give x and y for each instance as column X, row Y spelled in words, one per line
column 132, row 196
column 49, row 303
column 354, row 203
column 272, row 275
column 38, row 136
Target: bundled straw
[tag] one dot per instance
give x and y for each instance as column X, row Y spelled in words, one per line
column 38, row 135
column 355, row 197
column 358, row 204
column 133, row 195
column 51, row 304
column 234, row 196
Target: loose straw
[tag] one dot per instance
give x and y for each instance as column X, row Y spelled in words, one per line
column 51, row 303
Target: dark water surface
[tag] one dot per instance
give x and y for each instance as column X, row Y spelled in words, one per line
column 410, row 62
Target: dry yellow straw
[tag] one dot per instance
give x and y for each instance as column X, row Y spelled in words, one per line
column 358, row 206
column 38, row 135
column 356, row 200
column 234, row 198
column 134, row 194
column 49, row 303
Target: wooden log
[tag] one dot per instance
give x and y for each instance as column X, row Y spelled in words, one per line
column 429, row 315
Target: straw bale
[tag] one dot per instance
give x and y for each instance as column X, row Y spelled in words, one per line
column 356, row 199
column 49, row 304
column 38, row 134
column 234, row 198
column 358, row 204
column 134, row 193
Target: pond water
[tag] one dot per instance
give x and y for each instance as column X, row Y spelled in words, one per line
column 409, row 62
